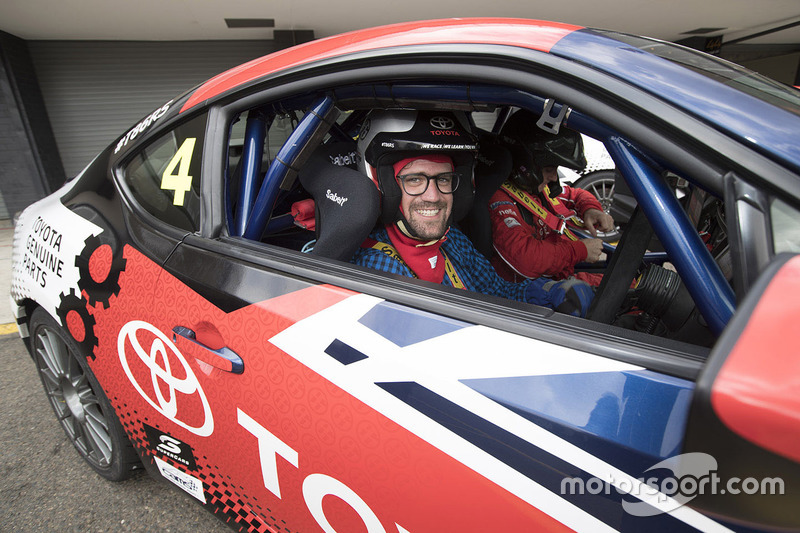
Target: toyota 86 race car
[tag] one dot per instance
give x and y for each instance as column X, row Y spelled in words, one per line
column 190, row 306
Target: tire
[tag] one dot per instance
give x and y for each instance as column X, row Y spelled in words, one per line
column 602, row 185
column 80, row 404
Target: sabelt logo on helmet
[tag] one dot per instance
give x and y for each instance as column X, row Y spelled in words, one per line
column 163, row 368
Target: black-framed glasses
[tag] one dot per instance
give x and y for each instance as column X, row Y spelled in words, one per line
column 417, row 184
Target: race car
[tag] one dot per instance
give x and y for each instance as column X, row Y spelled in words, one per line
column 190, row 306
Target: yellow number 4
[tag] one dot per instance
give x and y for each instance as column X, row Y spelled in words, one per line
column 181, row 182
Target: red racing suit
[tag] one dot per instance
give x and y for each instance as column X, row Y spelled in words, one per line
column 527, row 248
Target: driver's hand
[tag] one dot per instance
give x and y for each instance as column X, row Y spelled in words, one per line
column 570, row 296
column 594, row 220
column 594, row 248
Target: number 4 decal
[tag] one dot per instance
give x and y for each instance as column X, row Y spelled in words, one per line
column 181, row 182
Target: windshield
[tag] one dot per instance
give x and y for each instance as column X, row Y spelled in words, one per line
column 731, row 74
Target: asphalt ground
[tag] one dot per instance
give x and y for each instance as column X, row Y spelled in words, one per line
column 46, row 486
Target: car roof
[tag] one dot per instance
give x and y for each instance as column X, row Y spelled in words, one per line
column 754, row 110
column 532, row 34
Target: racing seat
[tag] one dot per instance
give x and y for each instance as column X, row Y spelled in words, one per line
column 492, row 167
column 346, row 201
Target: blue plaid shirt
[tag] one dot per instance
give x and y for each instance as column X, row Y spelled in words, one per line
column 475, row 272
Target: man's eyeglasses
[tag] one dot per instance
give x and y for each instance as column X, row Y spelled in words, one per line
column 417, row 184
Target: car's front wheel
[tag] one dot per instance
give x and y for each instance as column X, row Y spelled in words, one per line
column 80, row 405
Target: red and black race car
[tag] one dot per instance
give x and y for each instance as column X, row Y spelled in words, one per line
column 190, row 307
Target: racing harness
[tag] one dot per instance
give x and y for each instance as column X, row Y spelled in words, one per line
column 557, row 220
column 392, row 252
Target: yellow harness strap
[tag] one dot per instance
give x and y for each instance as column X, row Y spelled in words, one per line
column 554, row 222
column 390, row 250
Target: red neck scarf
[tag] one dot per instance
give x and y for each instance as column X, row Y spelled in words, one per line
column 425, row 259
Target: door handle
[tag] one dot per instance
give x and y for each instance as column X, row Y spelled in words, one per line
column 223, row 358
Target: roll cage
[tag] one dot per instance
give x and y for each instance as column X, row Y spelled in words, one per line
column 253, row 216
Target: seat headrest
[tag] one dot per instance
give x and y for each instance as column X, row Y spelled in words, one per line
column 347, row 201
column 492, row 167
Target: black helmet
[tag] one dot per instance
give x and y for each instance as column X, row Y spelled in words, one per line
column 388, row 136
column 533, row 148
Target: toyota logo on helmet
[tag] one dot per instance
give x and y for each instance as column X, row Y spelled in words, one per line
column 442, row 123
column 395, row 134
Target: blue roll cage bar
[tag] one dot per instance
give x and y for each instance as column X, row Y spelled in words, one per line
column 703, row 278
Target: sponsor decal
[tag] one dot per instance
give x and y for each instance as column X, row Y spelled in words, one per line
column 439, row 146
column 332, row 196
column 433, row 260
column 170, row 447
column 161, row 367
column 494, row 205
column 47, row 238
column 188, row 483
column 42, row 249
column 315, row 486
column 142, row 126
column 511, row 222
column 344, row 160
column 442, row 123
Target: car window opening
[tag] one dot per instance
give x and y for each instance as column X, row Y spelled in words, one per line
column 315, row 140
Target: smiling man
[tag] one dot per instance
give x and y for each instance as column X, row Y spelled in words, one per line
column 422, row 163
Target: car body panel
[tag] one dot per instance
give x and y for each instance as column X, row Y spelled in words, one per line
column 731, row 110
column 759, row 450
column 757, row 396
column 295, row 349
column 47, row 239
column 537, row 35
column 161, row 389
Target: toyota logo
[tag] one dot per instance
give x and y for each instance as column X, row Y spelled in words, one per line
column 158, row 372
column 442, row 123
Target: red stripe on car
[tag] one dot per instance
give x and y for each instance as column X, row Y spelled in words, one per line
column 533, row 34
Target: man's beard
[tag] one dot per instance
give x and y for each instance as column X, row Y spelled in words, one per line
column 424, row 229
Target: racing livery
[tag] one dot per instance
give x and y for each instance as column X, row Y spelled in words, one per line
column 181, row 319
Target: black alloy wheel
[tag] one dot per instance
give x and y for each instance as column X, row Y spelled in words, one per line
column 82, row 409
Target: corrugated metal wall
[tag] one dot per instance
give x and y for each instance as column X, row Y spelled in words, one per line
column 15, row 159
column 29, row 161
column 96, row 90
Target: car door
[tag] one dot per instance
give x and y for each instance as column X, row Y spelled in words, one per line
column 406, row 429
column 298, row 389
